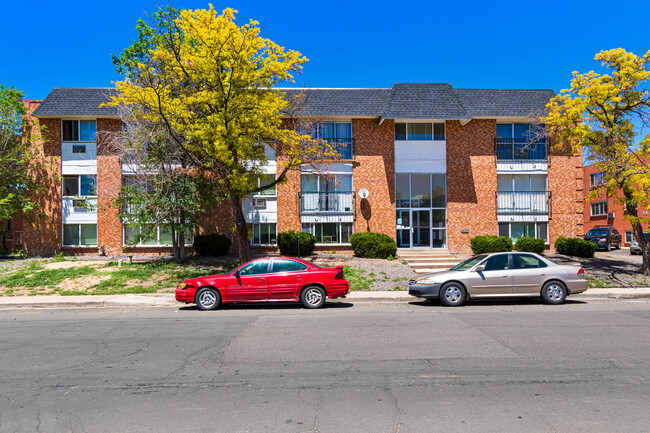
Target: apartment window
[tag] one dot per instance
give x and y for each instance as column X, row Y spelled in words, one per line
column 599, row 208
column 337, row 134
column 79, row 130
column 18, row 238
column 596, row 178
column 516, row 230
column 265, row 179
column 329, row 233
column 83, row 185
column 153, row 235
column 629, row 236
column 79, row 149
column 79, row 235
column 264, row 234
column 419, row 131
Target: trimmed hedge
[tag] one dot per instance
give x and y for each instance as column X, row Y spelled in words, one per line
column 530, row 245
column 288, row 243
column 575, row 247
column 371, row 245
column 490, row 244
column 211, row 245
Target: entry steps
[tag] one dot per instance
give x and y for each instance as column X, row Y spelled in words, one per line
column 426, row 261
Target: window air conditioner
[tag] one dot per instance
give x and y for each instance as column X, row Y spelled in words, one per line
column 259, row 203
column 78, row 203
column 610, row 215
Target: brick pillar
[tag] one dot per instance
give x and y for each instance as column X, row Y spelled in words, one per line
column 471, row 182
column 374, row 170
column 44, row 236
column 565, row 182
column 109, row 182
column 288, row 200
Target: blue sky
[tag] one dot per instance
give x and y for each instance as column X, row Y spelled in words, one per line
column 497, row 44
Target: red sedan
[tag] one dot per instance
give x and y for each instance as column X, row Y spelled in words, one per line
column 274, row 279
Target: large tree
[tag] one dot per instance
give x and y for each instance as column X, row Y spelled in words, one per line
column 17, row 162
column 607, row 115
column 210, row 82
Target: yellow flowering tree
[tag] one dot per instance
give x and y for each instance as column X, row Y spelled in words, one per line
column 210, row 83
column 604, row 114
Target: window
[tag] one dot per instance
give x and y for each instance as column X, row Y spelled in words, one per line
column 337, row 134
column 84, row 185
column 599, row 208
column 329, row 233
column 497, row 263
column 79, row 130
column 596, row 178
column 255, row 268
column 285, row 265
column 331, row 193
column 75, row 235
column 18, row 238
column 629, row 236
column 265, row 179
column 78, row 149
column 419, row 131
column 521, row 141
column 264, row 234
column 516, row 230
column 153, row 235
column 526, row 261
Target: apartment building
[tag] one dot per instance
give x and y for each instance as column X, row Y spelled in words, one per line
column 603, row 209
column 427, row 164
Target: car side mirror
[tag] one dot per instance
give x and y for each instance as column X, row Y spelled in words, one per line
column 480, row 268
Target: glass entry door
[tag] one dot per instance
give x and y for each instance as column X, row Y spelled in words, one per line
column 421, row 230
column 403, row 219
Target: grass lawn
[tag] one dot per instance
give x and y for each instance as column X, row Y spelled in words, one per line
column 71, row 277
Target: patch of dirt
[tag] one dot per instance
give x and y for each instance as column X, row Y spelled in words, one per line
column 612, row 269
column 69, row 264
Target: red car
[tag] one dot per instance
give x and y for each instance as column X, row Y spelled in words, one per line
column 274, row 279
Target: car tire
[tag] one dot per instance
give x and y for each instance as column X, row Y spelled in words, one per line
column 313, row 297
column 207, row 298
column 453, row 294
column 608, row 248
column 554, row 292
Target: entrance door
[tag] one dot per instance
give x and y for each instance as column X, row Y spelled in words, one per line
column 403, row 219
column 421, row 230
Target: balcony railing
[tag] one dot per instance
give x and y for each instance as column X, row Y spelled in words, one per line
column 523, row 202
column 343, row 146
column 521, row 149
column 327, row 202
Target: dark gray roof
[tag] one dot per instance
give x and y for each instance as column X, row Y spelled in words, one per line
column 403, row 101
column 338, row 102
column 76, row 101
column 504, row 102
column 424, row 101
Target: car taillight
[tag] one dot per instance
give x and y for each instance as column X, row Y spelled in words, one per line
column 339, row 275
column 581, row 272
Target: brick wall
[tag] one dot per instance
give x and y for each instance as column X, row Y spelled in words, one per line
column 566, row 186
column 374, row 169
column 471, row 182
column 43, row 236
column 109, row 182
column 618, row 221
column 288, row 200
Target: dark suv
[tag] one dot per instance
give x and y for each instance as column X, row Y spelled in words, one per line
column 604, row 236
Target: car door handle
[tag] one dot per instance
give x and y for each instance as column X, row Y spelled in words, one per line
column 260, row 279
column 298, row 277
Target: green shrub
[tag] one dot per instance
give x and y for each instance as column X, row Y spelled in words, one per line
column 575, row 247
column 490, row 244
column 211, row 245
column 372, row 245
column 288, row 243
column 530, row 245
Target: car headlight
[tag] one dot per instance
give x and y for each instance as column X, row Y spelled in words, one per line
column 182, row 286
column 603, row 239
column 431, row 280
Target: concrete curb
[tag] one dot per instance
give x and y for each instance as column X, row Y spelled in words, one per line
column 167, row 299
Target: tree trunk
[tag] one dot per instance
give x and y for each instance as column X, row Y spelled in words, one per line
column 181, row 248
column 637, row 230
column 175, row 246
column 240, row 226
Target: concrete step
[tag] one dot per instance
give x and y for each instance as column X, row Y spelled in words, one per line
column 430, row 270
column 420, row 256
column 430, row 259
column 433, row 265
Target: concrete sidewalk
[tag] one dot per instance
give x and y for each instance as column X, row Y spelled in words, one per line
column 167, row 299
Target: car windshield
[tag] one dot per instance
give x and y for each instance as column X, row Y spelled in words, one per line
column 463, row 266
column 599, row 232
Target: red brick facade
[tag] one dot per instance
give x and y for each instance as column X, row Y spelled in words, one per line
column 618, row 220
column 565, row 185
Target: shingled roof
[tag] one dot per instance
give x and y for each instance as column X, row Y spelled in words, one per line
column 402, row 101
column 76, row 101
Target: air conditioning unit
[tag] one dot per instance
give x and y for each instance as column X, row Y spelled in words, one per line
column 78, row 203
column 610, row 215
column 259, row 203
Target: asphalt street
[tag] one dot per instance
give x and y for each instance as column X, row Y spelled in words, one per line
column 412, row 367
